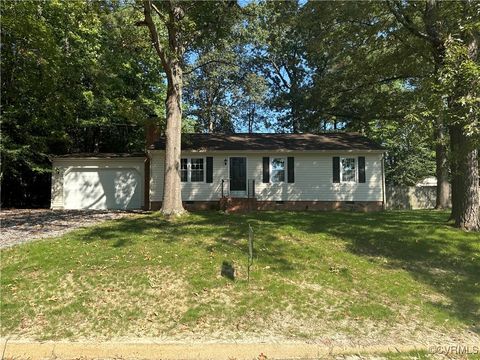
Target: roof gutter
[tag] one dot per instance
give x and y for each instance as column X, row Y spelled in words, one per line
column 368, row 151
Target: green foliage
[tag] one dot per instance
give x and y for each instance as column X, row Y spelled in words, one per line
column 460, row 84
column 364, row 79
column 200, row 23
column 278, row 55
column 212, row 88
column 76, row 76
column 221, row 82
column 223, row 91
column 410, row 155
column 80, row 76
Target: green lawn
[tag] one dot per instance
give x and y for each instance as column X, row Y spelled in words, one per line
column 386, row 277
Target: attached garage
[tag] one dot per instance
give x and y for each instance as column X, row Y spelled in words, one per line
column 99, row 181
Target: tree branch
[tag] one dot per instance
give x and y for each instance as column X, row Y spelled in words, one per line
column 207, row 63
column 403, row 19
column 430, row 18
column 155, row 8
column 279, row 73
column 148, row 22
column 176, row 14
column 376, row 82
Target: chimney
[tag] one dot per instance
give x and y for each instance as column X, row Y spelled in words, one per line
column 152, row 131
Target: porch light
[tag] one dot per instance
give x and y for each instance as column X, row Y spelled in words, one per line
column 225, row 161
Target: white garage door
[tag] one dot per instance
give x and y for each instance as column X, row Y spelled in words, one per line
column 102, row 189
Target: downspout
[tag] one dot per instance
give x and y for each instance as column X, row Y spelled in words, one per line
column 147, row 179
column 152, row 134
column 384, row 205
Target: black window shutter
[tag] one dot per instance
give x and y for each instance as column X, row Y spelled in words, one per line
column 361, row 169
column 266, row 169
column 209, row 178
column 336, row 169
column 291, row 169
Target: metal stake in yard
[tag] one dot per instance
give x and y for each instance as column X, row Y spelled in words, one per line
column 250, row 250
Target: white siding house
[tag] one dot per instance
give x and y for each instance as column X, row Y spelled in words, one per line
column 313, row 177
column 298, row 170
column 258, row 171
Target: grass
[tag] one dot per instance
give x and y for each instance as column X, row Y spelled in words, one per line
column 387, row 276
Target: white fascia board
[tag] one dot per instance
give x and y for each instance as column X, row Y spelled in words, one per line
column 350, row 151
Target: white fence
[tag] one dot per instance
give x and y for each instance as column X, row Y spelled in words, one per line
column 411, row 197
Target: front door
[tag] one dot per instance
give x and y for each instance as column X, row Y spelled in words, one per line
column 238, row 176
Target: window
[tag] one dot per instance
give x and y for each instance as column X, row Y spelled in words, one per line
column 347, row 172
column 196, row 170
column 184, row 170
column 277, row 170
column 192, row 170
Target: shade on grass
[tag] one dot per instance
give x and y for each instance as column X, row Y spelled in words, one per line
column 314, row 273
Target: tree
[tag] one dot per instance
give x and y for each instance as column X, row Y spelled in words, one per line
column 251, row 102
column 451, row 31
column 76, row 77
column 460, row 83
column 428, row 24
column 211, row 90
column 226, row 94
column 279, row 57
column 363, row 80
column 410, row 157
column 403, row 49
column 187, row 24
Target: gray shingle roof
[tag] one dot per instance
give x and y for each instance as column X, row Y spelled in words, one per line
column 99, row 155
column 271, row 142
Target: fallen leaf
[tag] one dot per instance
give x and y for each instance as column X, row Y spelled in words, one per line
column 262, row 356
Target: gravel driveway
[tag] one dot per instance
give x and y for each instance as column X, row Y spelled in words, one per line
column 23, row 225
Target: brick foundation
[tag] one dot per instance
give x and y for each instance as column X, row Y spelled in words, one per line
column 191, row 205
column 245, row 205
column 321, row 205
column 201, row 205
column 238, row 204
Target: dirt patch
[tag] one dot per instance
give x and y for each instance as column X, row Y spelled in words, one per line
column 112, row 308
column 147, row 349
column 24, row 225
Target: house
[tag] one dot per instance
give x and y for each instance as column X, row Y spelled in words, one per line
column 234, row 172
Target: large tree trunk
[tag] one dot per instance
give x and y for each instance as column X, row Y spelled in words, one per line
column 455, row 171
column 431, row 19
column 466, row 192
column 465, row 187
column 172, row 196
column 441, row 166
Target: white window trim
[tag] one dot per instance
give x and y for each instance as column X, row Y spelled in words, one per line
column 284, row 169
column 188, row 161
column 355, row 163
column 189, row 169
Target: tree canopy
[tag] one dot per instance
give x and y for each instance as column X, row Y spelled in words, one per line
column 76, row 77
column 83, row 76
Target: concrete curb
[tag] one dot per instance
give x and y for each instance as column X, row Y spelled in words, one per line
column 18, row 349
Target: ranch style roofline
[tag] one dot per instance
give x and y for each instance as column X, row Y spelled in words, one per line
column 335, row 141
